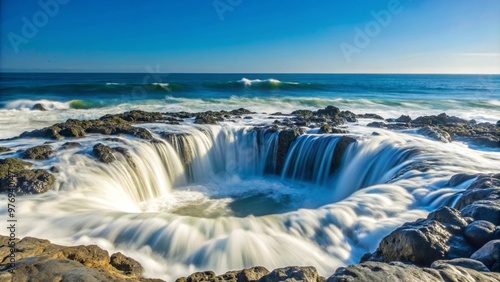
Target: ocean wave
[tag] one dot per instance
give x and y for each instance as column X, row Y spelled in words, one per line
column 25, row 104
column 263, row 84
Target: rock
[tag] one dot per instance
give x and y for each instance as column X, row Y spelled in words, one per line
column 199, row 277
column 285, row 139
column 339, row 152
column 38, row 107
column 54, row 169
column 303, row 114
column 329, row 111
column 71, row 145
column 103, row 153
column 39, row 260
column 479, row 233
column 41, row 152
column 372, row 116
column 242, row 111
column 486, row 140
column 397, row 271
column 435, row 133
column 404, row 118
column 72, row 131
column 449, row 217
column 483, row 210
column 422, row 242
column 463, row 262
column 293, row 273
column 128, row 265
column 4, row 149
column 16, row 177
column 208, row 117
column 377, row 124
column 489, row 254
column 441, row 119
column 251, row 274
column 348, row 116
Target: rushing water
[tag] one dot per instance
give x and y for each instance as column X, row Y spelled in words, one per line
column 211, row 197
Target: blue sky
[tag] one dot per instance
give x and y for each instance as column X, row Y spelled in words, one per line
column 343, row 36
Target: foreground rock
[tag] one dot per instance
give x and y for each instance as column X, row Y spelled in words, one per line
column 16, row 176
column 39, row 260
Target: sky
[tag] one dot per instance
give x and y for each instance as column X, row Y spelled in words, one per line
column 245, row 36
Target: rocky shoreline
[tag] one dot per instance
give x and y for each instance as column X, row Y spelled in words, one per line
column 459, row 242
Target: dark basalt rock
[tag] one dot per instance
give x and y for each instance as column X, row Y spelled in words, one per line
column 15, row 175
column 303, row 114
column 489, row 254
column 372, row 116
column 285, row 139
column 397, row 271
column 4, row 149
column 328, row 128
column 103, row 153
column 463, row 262
column 71, row 145
column 38, row 107
column 241, row 111
column 208, row 118
column 41, row 152
column 488, row 210
column 479, row 233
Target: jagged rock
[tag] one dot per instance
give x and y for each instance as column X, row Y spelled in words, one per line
column 72, row 131
column 348, row 116
column 449, row 217
column 339, row 152
column 303, row 114
column 489, row 254
column 204, row 276
column 71, row 145
column 41, row 152
column 488, row 210
column 251, row 274
column 4, row 149
column 435, row 133
column 463, row 262
column 377, row 124
column 54, row 169
column 128, row 265
column 208, row 118
column 16, row 176
column 285, row 139
column 397, row 271
column 241, row 111
column 404, row 118
column 479, row 233
column 329, row 111
column 39, row 107
column 372, row 116
column 39, row 260
column 293, row 273
column 442, row 118
column 103, row 153
column 422, row 242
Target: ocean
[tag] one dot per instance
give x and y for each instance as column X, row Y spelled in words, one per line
column 225, row 206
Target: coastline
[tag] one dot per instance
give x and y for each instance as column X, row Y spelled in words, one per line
column 443, row 223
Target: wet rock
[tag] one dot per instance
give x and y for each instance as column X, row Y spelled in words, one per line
column 463, row 262
column 303, row 114
column 372, row 116
column 41, row 152
column 422, row 242
column 129, row 266
column 329, row 111
column 377, row 124
column 251, row 274
column 479, row 233
column 486, row 140
column 71, row 145
column 397, row 271
column 442, row 119
column 241, row 111
column 339, row 152
column 404, row 118
column 72, row 131
column 489, row 255
column 460, row 178
column 293, row 273
column 39, row 260
column 449, row 217
column 199, row 277
column 208, row 118
column 348, row 116
column 103, row 153
column 16, row 176
column 4, row 149
column 54, row 169
column 435, row 133
column 328, row 129
column 484, row 210
column 38, row 107
column 285, row 139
